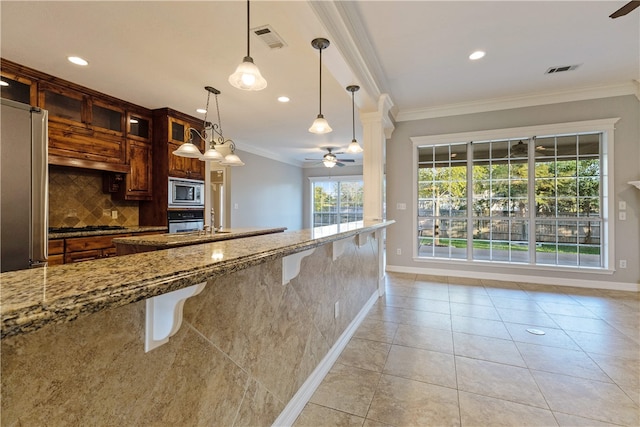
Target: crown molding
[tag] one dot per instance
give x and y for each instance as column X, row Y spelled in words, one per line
column 348, row 34
column 530, row 100
column 268, row 154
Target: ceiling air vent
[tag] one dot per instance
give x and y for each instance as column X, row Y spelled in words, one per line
column 554, row 70
column 269, row 37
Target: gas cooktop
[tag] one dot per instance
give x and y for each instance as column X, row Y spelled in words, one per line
column 85, row 228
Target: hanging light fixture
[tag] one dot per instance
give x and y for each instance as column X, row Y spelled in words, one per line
column 320, row 124
column 329, row 160
column 208, row 135
column 354, row 147
column 247, row 75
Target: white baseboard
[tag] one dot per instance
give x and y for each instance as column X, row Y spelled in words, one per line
column 556, row 281
column 290, row 413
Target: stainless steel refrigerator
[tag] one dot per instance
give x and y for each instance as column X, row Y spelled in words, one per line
column 24, row 194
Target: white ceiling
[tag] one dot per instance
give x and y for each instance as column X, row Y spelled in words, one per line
column 162, row 54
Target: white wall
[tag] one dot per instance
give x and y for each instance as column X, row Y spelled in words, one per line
column 321, row 171
column 267, row 193
column 627, row 168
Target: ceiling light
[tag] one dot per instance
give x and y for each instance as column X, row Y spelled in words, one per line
column 208, row 135
column 354, row 147
column 201, row 111
column 283, row 99
column 247, row 76
column 77, row 60
column 477, row 55
column 329, row 160
column 320, row 124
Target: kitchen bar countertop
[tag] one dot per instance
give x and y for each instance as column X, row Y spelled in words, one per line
column 173, row 240
column 33, row 298
column 89, row 233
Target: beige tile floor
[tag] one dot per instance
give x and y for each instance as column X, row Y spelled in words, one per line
column 438, row 352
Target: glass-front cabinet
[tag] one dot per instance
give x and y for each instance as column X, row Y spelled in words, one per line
column 18, row 88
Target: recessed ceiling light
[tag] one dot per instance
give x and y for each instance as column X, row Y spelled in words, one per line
column 3, row 83
column 201, row 111
column 477, row 55
column 78, row 61
column 283, row 98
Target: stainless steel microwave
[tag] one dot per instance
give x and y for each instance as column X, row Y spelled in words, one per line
column 186, row 193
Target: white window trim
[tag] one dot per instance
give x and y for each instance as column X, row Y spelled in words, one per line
column 606, row 126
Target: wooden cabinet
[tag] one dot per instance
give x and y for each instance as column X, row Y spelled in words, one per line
column 79, row 249
column 170, row 130
column 137, row 183
column 56, row 252
column 83, row 127
column 178, row 133
column 17, row 87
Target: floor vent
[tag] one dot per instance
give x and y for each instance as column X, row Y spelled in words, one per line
column 554, row 70
column 269, row 37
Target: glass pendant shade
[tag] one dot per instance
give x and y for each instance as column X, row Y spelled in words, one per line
column 320, row 125
column 329, row 163
column 354, row 147
column 232, row 159
column 247, row 76
column 188, row 149
column 212, row 155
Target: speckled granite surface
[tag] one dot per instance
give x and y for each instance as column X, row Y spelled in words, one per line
column 30, row 299
column 165, row 241
column 126, row 230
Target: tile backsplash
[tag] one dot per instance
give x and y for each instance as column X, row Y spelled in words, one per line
column 76, row 199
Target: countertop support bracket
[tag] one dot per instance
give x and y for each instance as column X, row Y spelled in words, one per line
column 291, row 265
column 363, row 238
column 164, row 315
column 338, row 248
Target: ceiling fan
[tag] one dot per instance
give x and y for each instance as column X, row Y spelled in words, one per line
column 330, row 159
column 625, row 9
column 520, row 149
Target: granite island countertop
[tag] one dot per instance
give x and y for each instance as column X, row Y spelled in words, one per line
column 173, row 240
column 33, row 298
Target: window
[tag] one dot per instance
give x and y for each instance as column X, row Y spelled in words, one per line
column 520, row 199
column 336, row 200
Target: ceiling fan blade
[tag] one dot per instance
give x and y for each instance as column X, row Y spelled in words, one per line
column 625, row 9
column 339, row 164
column 346, row 160
column 315, row 160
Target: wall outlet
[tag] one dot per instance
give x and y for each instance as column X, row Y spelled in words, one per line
column 401, row 206
column 336, row 309
column 622, row 205
column 114, row 214
column 623, row 263
column 622, row 216
column 398, row 251
column 235, row 206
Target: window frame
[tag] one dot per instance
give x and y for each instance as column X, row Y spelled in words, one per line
column 336, row 178
column 605, row 126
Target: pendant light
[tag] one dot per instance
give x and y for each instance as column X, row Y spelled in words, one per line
column 208, row 135
column 320, row 124
column 247, row 75
column 354, row 147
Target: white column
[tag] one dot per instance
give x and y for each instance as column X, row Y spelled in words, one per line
column 376, row 129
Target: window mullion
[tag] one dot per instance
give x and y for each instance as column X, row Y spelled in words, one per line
column 470, row 201
column 531, row 197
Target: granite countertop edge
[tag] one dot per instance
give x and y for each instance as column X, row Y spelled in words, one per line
column 35, row 314
column 164, row 241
